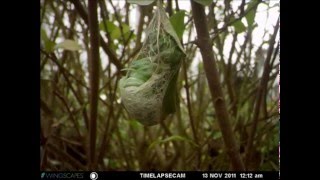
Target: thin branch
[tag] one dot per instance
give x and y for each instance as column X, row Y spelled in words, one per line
column 112, row 55
column 230, row 88
column 169, row 7
column 177, row 5
column 94, row 64
column 263, row 84
column 64, row 72
column 140, row 28
column 75, row 122
column 187, row 86
column 65, row 157
column 216, row 34
column 125, row 42
column 106, row 133
column 190, row 113
column 213, row 79
column 127, row 7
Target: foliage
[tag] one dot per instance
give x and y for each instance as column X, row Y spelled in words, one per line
column 190, row 138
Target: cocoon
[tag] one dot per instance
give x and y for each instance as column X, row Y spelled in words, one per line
column 148, row 91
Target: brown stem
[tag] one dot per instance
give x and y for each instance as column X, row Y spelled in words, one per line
column 230, row 88
column 263, row 84
column 127, row 6
column 243, row 14
column 94, row 63
column 190, row 113
column 140, row 27
column 112, row 56
column 65, row 157
column 120, row 25
column 107, row 133
column 186, row 86
column 75, row 122
column 177, row 5
column 64, row 72
column 212, row 74
column 169, row 7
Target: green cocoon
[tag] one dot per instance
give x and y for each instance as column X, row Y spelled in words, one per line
column 148, row 91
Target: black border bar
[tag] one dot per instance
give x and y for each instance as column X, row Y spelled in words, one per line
column 159, row 175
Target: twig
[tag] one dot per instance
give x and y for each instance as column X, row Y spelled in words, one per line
column 169, row 7
column 234, row 21
column 140, row 28
column 190, row 113
column 230, row 88
column 263, row 84
column 94, row 64
column 64, row 72
column 121, row 30
column 212, row 74
column 112, row 56
column 65, row 157
column 107, row 130
column 75, row 122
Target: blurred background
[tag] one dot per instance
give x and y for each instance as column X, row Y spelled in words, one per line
column 246, row 49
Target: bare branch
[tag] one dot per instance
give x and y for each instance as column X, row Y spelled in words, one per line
column 262, row 86
column 212, row 74
column 94, row 64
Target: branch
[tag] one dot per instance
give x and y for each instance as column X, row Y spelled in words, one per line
column 75, row 122
column 213, row 77
column 234, row 21
column 65, row 74
column 65, row 157
column 262, row 86
column 112, row 56
column 187, row 86
column 107, row 131
column 140, row 28
column 190, row 113
column 177, row 5
column 230, row 88
column 169, row 8
column 94, row 63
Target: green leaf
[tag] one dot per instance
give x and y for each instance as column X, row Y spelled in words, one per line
column 251, row 15
column 128, row 35
column 113, row 30
column 168, row 27
column 126, row 32
column 217, row 135
column 47, row 43
column 239, row 26
column 170, row 100
column 203, row 2
column 70, row 45
column 125, row 28
column 177, row 21
column 110, row 26
column 141, row 2
column 44, row 35
column 135, row 124
column 49, row 46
